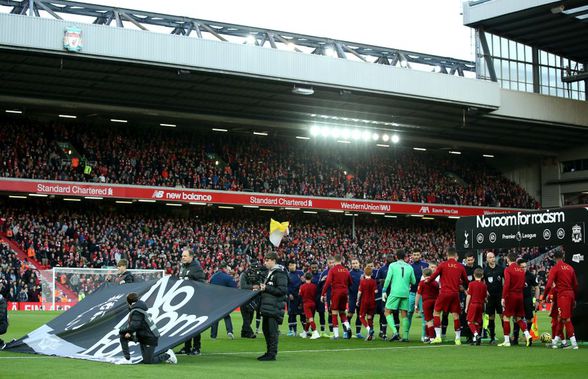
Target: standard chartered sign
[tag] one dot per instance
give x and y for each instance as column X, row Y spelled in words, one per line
column 520, row 219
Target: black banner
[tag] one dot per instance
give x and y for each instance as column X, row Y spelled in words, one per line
column 181, row 309
column 564, row 226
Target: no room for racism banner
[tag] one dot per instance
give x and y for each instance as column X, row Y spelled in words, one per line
column 181, row 309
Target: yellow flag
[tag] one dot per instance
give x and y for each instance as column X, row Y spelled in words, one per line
column 534, row 328
column 277, row 231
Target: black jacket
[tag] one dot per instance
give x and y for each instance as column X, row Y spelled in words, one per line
column 139, row 325
column 192, row 271
column 3, row 315
column 125, row 278
column 273, row 299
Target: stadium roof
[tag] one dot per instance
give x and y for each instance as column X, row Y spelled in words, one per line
column 559, row 27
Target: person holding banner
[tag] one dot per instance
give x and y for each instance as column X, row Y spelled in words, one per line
column 3, row 319
column 141, row 328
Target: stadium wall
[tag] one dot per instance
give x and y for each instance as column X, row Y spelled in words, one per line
column 526, row 173
column 556, row 183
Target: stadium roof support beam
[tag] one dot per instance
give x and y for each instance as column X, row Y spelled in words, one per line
column 180, row 25
column 487, row 55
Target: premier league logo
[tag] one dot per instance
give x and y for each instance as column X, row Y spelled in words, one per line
column 576, row 234
column 519, row 236
column 492, row 237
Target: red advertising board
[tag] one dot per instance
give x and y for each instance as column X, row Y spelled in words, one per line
column 38, row 306
column 202, row 197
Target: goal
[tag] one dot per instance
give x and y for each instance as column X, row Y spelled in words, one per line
column 65, row 286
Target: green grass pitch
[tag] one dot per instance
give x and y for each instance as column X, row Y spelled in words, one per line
column 299, row 358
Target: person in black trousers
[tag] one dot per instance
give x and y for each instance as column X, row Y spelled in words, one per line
column 274, row 291
column 3, row 319
column 141, row 328
column 222, row 278
column 191, row 270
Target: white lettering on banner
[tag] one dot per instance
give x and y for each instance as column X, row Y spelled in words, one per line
column 520, row 219
column 366, row 207
column 196, row 197
column 164, row 313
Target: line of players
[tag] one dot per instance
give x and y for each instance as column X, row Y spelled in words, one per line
column 398, row 290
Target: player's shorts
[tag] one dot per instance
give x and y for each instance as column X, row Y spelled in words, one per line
column 514, row 306
column 411, row 302
column 338, row 301
column 397, row 303
column 475, row 312
column 428, row 307
column 565, row 304
column 352, row 304
column 367, row 309
column 494, row 305
column 309, row 309
column 529, row 308
column 448, row 303
column 294, row 305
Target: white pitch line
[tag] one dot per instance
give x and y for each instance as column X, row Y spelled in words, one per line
column 286, row 351
column 335, row 350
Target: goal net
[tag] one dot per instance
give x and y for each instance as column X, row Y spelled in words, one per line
column 63, row 287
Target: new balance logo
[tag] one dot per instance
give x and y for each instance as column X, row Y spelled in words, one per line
column 158, row 194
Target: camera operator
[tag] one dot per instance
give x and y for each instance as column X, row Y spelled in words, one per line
column 250, row 279
column 141, row 328
column 191, row 270
column 274, row 291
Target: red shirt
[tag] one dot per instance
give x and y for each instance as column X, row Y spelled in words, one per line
column 308, row 293
column 339, row 279
column 564, row 277
column 452, row 275
column 368, row 288
column 428, row 290
column 514, row 280
column 477, row 290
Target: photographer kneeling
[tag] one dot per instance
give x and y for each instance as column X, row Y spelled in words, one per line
column 141, row 328
column 272, row 303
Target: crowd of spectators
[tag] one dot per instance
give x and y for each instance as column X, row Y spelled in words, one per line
column 229, row 161
column 18, row 281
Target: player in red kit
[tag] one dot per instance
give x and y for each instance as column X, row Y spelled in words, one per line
column 366, row 301
column 564, row 278
column 512, row 299
column 477, row 294
column 308, row 296
column 339, row 280
column 554, row 315
column 453, row 275
column 428, row 291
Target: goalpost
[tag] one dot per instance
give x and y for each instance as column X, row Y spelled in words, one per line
column 66, row 286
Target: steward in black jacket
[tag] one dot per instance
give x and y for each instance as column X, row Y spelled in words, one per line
column 273, row 301
column 141, row 328
column 191, row 270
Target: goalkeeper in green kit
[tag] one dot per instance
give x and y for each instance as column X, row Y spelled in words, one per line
column 400, row 276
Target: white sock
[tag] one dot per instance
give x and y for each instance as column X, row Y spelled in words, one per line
column 555, row 340
column 368, row 330
column 527, row 334
column 476, row 335
column 438, row 332
column 506, row 339
column 457, row 334
column 335, row 332
column 347, row 326
column 573, row 340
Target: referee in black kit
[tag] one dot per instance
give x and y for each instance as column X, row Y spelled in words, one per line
column 494, row 277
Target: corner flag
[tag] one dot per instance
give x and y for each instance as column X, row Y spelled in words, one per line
column 277, row 231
